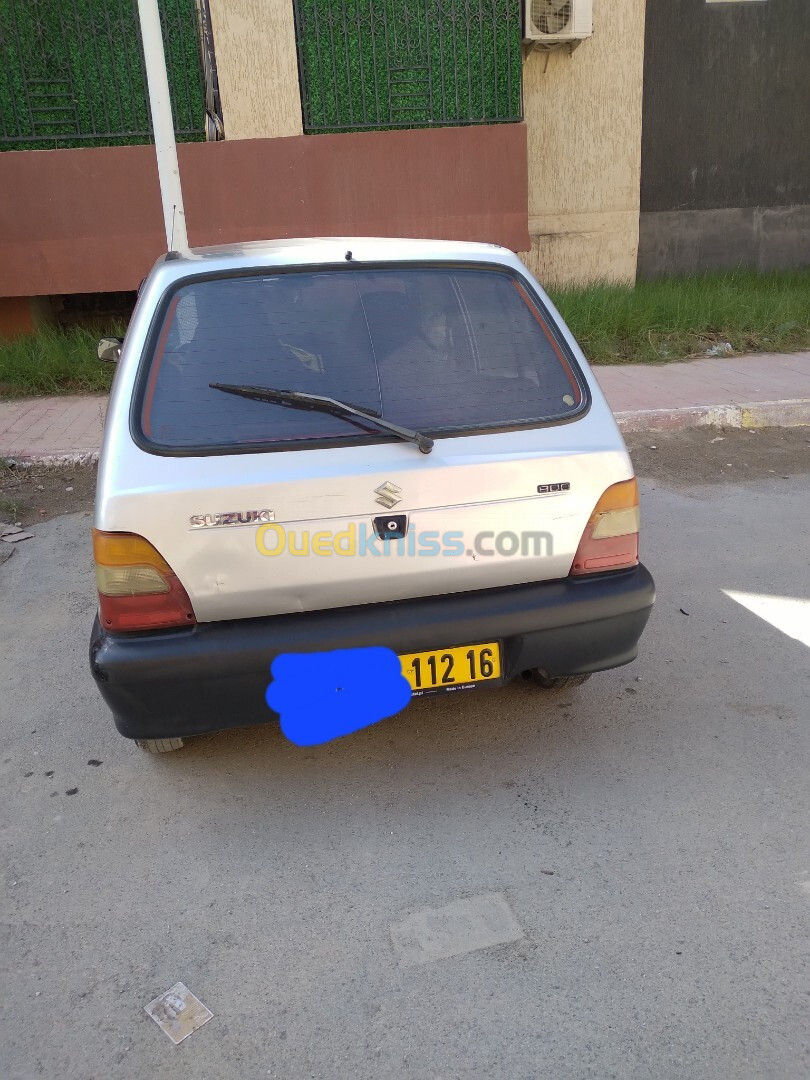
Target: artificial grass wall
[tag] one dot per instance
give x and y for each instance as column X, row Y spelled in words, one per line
column 72, row 74
column 408, row 63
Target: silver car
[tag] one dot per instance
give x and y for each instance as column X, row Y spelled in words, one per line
column 353, row 449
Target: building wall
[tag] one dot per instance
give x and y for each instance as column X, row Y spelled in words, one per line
column 257, row 67
column 16, row 316
column 568, row 200
column 582, row 114
column 583, row 118
column 725, row 177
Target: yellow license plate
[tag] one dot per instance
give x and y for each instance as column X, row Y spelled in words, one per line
column 452, row 669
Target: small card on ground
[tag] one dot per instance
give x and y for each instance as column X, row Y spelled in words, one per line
column 178, row 1012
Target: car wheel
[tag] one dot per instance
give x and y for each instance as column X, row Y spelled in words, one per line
column 561, row 682
column 160, row 746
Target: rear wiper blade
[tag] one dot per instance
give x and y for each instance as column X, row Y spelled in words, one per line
column 295, row 399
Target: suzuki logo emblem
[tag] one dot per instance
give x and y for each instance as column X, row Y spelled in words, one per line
column 388, row 494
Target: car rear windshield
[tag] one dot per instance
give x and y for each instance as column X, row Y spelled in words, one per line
column 437, row 350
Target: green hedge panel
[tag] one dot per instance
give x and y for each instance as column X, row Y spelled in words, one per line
column 72, row 73
column 408, row 63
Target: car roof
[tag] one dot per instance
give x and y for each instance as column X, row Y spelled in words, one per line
column 331, row 250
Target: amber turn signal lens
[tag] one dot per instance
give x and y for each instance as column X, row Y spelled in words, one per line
column 619, row 496
column 126, row 549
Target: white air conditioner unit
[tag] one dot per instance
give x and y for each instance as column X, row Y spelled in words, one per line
column 552, row 22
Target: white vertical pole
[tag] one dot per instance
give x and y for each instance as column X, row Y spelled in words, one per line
column 171, row 194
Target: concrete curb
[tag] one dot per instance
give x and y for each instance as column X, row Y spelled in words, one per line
column 67, row 457
column 794, row 412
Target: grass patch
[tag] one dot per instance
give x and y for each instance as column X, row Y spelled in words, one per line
column 675, row 318
column 654, row 322
column 54, row 362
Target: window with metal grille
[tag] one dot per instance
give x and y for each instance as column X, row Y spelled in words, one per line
column 72, row 73
column 378, row 64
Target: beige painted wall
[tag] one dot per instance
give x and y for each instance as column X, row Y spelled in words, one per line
column 584, row 132
column 257, row 66
column 583, row 115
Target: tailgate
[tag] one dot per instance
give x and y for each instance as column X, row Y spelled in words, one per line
column 474, row 516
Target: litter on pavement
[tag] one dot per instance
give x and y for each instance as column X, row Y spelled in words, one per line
column 178, row 1012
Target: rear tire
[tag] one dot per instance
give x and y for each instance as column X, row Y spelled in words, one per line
column 160, row 746
column 561, row 682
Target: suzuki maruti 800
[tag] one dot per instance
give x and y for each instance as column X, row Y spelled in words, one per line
column 337, row 444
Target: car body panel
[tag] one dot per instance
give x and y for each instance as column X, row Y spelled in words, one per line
column 472, row 483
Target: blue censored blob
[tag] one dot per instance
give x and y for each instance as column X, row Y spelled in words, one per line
column 321, row 696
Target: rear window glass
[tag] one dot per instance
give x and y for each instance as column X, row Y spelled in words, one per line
column 436, row 350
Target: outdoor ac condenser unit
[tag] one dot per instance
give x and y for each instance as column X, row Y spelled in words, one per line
column 552, row 22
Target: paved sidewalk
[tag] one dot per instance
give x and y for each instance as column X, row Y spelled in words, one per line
column 764, row 390
column 66, row 428
column 738, row 391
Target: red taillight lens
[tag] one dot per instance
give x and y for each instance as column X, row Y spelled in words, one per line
column 137, row 589
column 610, row 539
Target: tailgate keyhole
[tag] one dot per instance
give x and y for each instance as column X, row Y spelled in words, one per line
column 391, row 526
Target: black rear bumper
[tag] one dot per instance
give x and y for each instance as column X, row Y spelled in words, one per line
column 214, row 675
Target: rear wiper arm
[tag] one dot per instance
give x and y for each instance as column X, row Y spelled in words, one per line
column 295, row 399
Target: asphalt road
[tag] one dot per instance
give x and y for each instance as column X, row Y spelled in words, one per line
column 638, row 846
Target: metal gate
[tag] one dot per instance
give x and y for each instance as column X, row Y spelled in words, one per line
column 408, row 63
